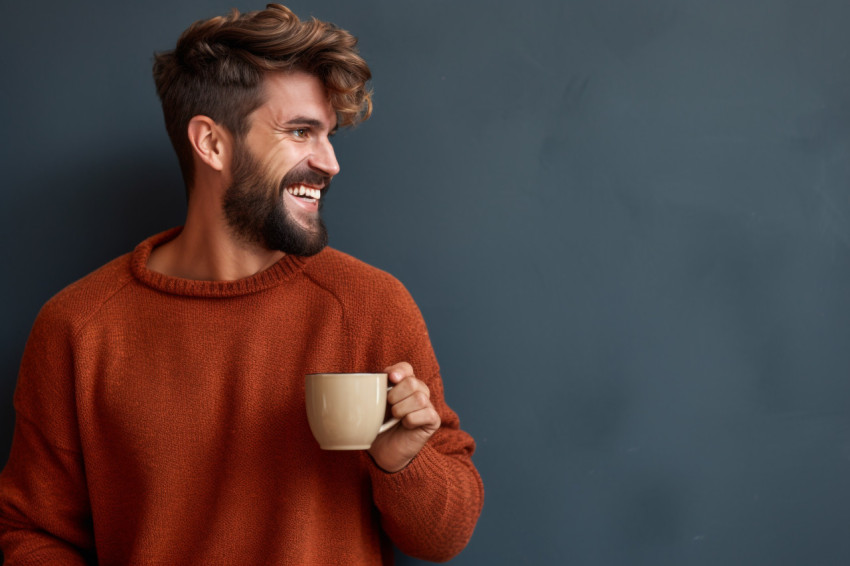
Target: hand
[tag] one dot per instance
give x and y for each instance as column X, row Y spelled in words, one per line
column 410, row 401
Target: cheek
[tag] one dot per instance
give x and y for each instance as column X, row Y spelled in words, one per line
column 290, row 158
column 274, row 173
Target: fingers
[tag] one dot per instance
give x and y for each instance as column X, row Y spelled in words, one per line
column 411, row 402
column 426, row 419
column 409, row 394
column 398, row 372
column 410, row 408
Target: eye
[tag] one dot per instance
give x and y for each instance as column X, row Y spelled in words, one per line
column 299, row 133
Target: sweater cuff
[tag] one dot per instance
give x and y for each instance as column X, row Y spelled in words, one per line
column 424, row 466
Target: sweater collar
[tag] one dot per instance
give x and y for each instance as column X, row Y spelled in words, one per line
column 285, row 269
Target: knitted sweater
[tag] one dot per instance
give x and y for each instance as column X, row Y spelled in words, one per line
column 162, row 421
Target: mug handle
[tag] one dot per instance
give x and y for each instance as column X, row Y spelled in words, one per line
column 390, row 423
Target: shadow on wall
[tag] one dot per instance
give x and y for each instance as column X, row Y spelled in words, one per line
column 62, row 221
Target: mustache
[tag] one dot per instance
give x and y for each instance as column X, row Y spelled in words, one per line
column 305, row 176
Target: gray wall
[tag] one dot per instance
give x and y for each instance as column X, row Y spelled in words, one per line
column 627, row 224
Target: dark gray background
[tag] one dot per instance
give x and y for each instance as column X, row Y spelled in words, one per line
column 627, row 224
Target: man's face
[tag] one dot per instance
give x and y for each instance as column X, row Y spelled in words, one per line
column 281, row 170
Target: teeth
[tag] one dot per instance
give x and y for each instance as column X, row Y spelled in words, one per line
column 302, row 191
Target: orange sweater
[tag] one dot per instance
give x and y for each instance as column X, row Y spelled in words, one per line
column 162, row 421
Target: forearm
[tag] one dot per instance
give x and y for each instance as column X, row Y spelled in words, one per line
column 430, row 508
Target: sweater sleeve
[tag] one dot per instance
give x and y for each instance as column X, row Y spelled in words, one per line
column 44, row 510
column 430, row 508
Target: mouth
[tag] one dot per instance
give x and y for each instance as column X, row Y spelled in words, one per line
column 305, row 202
column 304, row 193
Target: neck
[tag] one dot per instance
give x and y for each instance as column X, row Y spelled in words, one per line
column 206, row 251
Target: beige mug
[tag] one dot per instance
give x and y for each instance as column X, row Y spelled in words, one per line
column 346, row 410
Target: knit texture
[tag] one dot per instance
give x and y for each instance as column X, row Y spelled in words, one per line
column 162, row 421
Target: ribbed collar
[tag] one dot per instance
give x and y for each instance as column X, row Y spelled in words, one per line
column 285, row 269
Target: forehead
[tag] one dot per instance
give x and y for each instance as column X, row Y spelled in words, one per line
column 293, row 95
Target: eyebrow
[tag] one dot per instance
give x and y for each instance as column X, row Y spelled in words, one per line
column 312, row 122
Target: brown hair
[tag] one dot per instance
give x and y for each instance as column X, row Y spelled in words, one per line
column 217, row 70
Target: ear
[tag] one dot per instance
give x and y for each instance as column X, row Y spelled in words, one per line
column 209, row 141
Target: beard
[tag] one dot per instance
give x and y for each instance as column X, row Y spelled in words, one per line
column 255, row 209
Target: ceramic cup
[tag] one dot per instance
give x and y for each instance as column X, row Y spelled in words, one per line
column 346, row 410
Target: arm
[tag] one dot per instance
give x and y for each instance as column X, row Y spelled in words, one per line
column 44, row 508
column 423, row 479
column 424, row 484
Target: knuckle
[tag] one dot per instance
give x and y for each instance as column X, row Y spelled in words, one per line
column 421, row 398
column 422, row 388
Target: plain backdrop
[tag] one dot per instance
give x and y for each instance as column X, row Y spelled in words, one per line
column 626, row 223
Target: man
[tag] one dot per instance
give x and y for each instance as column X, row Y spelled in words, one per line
column 160, row 403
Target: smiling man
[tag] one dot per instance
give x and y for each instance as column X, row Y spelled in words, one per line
column 160, row 402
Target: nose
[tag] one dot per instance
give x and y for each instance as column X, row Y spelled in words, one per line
column 323, row 158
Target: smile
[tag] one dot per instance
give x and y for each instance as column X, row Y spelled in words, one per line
column 305, row 192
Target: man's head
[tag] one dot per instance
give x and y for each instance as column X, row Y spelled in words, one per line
column 281, row 170
column 279, row 87
column 218, row 68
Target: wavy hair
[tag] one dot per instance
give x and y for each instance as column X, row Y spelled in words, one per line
column 217, row 70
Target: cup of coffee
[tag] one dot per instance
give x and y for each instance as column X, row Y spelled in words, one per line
column 346, row 410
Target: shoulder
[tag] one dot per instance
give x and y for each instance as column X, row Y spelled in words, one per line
column 75, row 304
column 385, row 321
column 353, row 281
column 347, row 274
